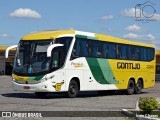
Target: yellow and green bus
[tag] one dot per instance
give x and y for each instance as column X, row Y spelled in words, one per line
column 71, row 61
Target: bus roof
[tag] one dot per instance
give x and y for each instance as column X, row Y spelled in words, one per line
column 52, row 34
column 48, row 34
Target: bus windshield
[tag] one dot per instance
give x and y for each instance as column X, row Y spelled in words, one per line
column 31, row 56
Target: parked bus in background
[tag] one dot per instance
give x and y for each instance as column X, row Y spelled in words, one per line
column 71, row 61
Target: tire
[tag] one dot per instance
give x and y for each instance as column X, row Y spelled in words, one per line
column 138, row 87
column 130, row 88
column 73, row 89
column 41, row 94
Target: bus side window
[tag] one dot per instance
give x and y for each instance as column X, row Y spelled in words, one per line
column 144, row 54
column 150, row 54
column 67, row 43
column 137, row 53
column 131, row 51
column 105, row 50
column 118, row 51
column 99, row 54
column 89, row 47
column 57, row 58
column 97, row 49
column 83, row 49
column 111, row 50
column 77, row 48
column 121, row 51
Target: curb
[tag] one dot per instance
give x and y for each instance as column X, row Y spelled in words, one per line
column 128, row 113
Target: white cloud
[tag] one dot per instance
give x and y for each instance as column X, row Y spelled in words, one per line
column 133, row 36
column 4, row 36
column 156, row 16
column 25, row 13
column 109, row 17
column 134, row 28
column 129, row 12
column 137, row 13
column 150, row 37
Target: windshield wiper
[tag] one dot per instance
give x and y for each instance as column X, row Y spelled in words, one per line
column 24, row 66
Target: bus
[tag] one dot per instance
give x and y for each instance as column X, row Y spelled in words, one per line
column 71, row 61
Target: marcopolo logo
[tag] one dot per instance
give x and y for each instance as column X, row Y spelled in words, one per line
column 145, row 12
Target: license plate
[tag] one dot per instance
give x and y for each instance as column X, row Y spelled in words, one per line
column 26, row 87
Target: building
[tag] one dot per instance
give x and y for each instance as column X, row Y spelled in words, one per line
column 6, row 65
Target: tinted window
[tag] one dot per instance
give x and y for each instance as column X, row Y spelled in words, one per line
column 99, row 49
column 105, row 50
column 66, row 41
column 76, row 49
column 89, row 47
column 80, row 48
column 83, row 48
column 137, row 53
column 59, row 54
column 143, row 54
column 111, row 50
column 121, row 51
column 150, row 54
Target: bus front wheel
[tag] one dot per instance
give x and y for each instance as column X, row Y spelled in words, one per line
column 130, row 88
column 73, row 89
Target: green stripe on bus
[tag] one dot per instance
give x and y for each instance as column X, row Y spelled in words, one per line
column 96, row 70
column 86, row 37
column 107, row 71
column 92, row 38
column 39, row 77
column 81, row 36
column 36, row 78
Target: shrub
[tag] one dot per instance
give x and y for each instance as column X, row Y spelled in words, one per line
column 148, row 104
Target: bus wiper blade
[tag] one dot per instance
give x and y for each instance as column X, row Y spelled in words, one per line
column 24, row 66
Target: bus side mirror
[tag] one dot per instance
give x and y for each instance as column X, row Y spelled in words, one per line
column 8, row 49
column 50, row 48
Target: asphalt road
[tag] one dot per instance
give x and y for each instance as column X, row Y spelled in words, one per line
column 86, row 101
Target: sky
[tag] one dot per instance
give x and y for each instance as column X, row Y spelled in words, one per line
column 136, row 20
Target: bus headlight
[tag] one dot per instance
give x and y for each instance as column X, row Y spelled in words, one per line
column 47, row 78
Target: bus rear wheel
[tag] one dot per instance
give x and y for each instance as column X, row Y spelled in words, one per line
column 41, row 94
column 130, row 88
column 73, row 89
column 138, row 87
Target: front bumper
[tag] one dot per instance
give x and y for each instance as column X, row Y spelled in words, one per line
column 39, row 87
